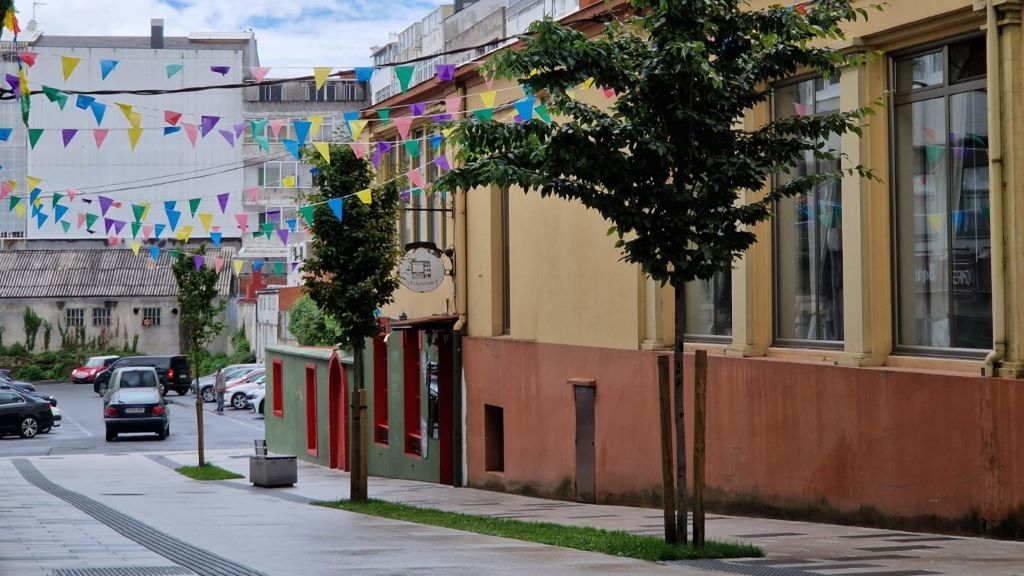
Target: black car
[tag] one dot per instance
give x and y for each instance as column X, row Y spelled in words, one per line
column 23, row 414
column 174, row 372
column 26, row 389
column 131, row 410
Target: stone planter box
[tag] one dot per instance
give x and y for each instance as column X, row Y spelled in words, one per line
column 273, row 471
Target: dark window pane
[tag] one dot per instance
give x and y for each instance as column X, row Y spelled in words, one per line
column 921, row 71
column 967, row 60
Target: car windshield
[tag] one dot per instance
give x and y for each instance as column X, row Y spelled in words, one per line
column 137, row 379
column 94, row 362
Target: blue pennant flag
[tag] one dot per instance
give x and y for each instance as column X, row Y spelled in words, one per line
column 337, row 207
column 291, row 222
column 98, row 110
column 257, row 265
column 168, row 130
column 293, row 147
column 106, row 67
column 84, row 102
column 154, row 252
column 40, row 219
column 158, row 230
column 302, row 130
column 59, row 211
column 436, row 140
column 215, row 237
column 172, row 218
column 525, row 109
column 351, row 115
column 364, row 73
column 5, row 134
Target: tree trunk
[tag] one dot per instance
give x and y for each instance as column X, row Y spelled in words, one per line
column 199, row 410
column 357, row 443
column 682, row 506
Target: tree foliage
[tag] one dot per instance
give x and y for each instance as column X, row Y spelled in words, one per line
column 310, row 326
column 668, row 161
column 352, row 264
column 198, row 302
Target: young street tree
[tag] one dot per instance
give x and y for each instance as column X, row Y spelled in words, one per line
column 350, row 269
column 199, row 311
column 668, row 162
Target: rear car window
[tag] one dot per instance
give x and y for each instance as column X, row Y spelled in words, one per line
column 137, row 379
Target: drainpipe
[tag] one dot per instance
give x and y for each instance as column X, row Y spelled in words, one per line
column 461, row 252
column 995, row 130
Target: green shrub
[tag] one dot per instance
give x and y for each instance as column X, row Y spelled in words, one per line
column 32, row 323
column 17, row 350
column 310, row 326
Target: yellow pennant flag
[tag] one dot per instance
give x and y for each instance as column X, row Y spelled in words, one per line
column 31, row 183
column 588, row 83
column 133, row 136
column 13, row 184
column 9, row 19
column 126, row 109
column 135, row 247
column 324, row 149
column 237, row 265
column 135, row 119
column 20, row 210
column 314, row 124
column 320, row 76
column 184, row 234
column 365, row 196
column 448, row 132
column 145, row 210
column 38, row 202
column 288, row 182
column 357, row 127
column 207, row 220
column 488, row 98
column 68, row 65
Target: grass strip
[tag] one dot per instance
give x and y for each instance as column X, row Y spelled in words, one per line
column 207, row 472
column 614, row 542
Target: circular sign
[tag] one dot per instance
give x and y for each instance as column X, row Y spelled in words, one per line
column 422, row 270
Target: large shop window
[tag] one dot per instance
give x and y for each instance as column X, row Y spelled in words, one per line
column 940, row 169
column 809, row 232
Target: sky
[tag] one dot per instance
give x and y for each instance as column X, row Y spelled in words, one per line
column 290, row 33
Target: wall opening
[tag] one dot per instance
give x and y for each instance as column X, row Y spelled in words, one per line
column 412, row 396
column 494, row 438
column 311, row 416
column 278, row 384
column 380, row 391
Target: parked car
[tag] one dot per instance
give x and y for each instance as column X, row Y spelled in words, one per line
column 231, row 373
column 35, row 394
column 134, row 403
column 87, row 372
column 254, row 399
column 57, row 418
column 235, row 394
column 20, row 385
column 23, row 414
column 174, row 372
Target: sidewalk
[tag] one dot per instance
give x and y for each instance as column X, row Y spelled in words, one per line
column 792, row 548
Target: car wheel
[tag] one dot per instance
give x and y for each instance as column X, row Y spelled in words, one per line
column 238, row 401
column 29, row 427
column 208, row 394
column 111, row 435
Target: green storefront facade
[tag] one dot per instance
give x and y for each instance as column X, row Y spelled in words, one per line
column 413, row 404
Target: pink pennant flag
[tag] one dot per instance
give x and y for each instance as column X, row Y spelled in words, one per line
column 28, row 58
column 403, row 123
column 192, row 131
column 275, row 126
column 259, row 74
column 81, row 219
column 6, row 188
column 800, row 109
column 99, row 135
column 243, row 221
column 218, row 263
column 72, row 192
column 359, row 149
column 253, row 194
column 147, row 231
column 415, row 177
column 609, row 92
column 453, row 104
column 113, row 240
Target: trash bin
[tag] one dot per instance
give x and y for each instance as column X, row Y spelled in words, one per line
column 268, row 471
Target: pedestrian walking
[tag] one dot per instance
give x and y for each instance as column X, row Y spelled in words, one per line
column 219, row 387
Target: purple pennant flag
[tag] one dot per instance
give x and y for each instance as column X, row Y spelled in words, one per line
column 107, row 223
column 282, row 233
column 383, row 147
column 418, row 109
column 14, row 83
column 223, row 200
column 118, row 226
column 208, row 122
column 442, row 163
column 518, row 119
column 68, row 134
column 442, row 118
column 294, row 266
column 229, row 136
column 405, row 195
column 274, row 216
column 222, row 70
column 445, row 72
column 105, row 203
column 375, row 159
column 198, row 260
column 239, row 129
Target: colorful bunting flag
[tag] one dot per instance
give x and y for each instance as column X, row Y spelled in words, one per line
column 184, row 234
column 237, row 265
column 222, row 199
column 59, row 211
column 134, row 133
column 404, row 75
column 171, row 117
column 222, row 70
column 543, row 114
column 192, row 131
column 315, row 121
column 158, row 230
column 364, row 73
column 207, row 123
column 365, row 196
column 291, row 222
column 106, row 67
column 243, row 221
column 173, row 69
column 216, row 238
column 84, row 101
column 275, row 127
column 488, row 98
column 206, row 219
column 65, row 225
column 445, row 72
column 282, row 233
column 403, row 124
column 168, row 130
column 484, row 114
column 68, row 65
column 173, row 217
column 415, row 177
column 442, row 163
column 308, row 213
column 336, row 206
column 99, row 109
column 67, row 135
column 136, row 227
column 33, row 136
column 524, row 109
column 5, row 134
column 359, row 149
column 259, row 74
column 384, row 114
column 292, row 146
column 324, row 149
column 54, row 95
column 356, row 127
column 218, row 264
column 453, row 104
column 154, row 252
column 147, row 231
column 99, row 135
column 229, row 136
column 412, row 147
column 253, row 193
column 301, row 131
column 138, row 211
column 198, row 260
column 417, row 109
column 90, row 220
column 193, row 205
column 320, row 75
column 28, row 58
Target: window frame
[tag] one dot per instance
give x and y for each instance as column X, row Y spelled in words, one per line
column 412, row 394
column 946, row 90
column 79, row 321
column 277, row 397
column 381, row 422
column 154, row 318
column 312, row 421
column 103, row 319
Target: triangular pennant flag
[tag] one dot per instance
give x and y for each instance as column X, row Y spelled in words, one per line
column 173, row 216
column 34, row 200
column 445, row 72
column 259, row 74
column 5, row 134
column 40, row 219
column 99, row 109
column 229, row 136
column 99, row 135
column 147, row 231
column 59, row 211
column 222, row 70
column 13, row 202
column 198, row 260
column 291, row 222
column 357, row 127
column 133, row 136
column 488, row 98
column 158, row 230
column 484, row 114
column 253, row 193
column 118, row 226
column 136, row 246
column 173, row 69
column 168, row 130
column 55, row 95
column 216, row 237
column 315, row 122
column 108, row 223
column 365, row 196
column 32, row 183
column 65, row 225
column 282, row 233
column 237, row 265
column 106, row 67
column 243, row 221
column 275, row 127
column 184, row 234
column 28, row 58
column 71, row 194
column 543, row 114
column 193, row 205
column 412, row 147
column 239, row 129
column 206, row 219
column 90, row 220
column 56, row 199
column 222, row 199
column 403, row 123
column 320, row 76
column 453, row 104
column 415, row 177
column 207, row 123
column 279, row 268
column 292, row 146
column 268, row 229
column 436, row 140
column 524, row 108
column 81, row 219
column 301, row 131
column 136, row 227
column 218, row 263
column 359, row 149
column 68, row 65
column 336, row 206
column 138, row 210
column 33, row 136
column 404, row 75
column 170, row 205
column 294, row 266
column 384, row 114
column 364, row 73
column 113, row 241
column 258, row 127
column 105, row 203
column 263, row 143
column 171, row 117
column 442, row 163
column 154, row 252
column 307, row 213
column 67, row 135
column 192, row 131
column 126, row 109
column 324, row 149
column 417, row 109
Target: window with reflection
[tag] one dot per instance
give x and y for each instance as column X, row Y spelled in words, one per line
column 809, row 231
column 943, row 246
column 709, row 306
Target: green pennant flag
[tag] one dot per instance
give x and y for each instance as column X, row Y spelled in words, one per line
column 193, row 205
column 543, row 114
column 33, row 136
column 13, row 202
column 404, row 75
column 259, row 128
column 56, row 198
column 139, row 211
column 934, row 153
column 65, row 225
column 307, row 214
column 263, row 143
column 484, row 114
column 384, row 114
column 278, row 268
column 413, row 148
column 136, row 226
column 55, row 95
column 91, row 219
column 257, row 233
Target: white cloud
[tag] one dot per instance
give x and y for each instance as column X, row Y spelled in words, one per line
column 300, row 33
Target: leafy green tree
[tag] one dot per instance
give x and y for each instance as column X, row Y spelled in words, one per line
column 351, row 268
column 668, row 161
column 199, row 313
column 32, row 323
column 310, row 326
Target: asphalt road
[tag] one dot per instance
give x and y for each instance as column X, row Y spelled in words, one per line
column 82, row 431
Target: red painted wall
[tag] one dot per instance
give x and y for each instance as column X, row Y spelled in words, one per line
column 907, row 443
